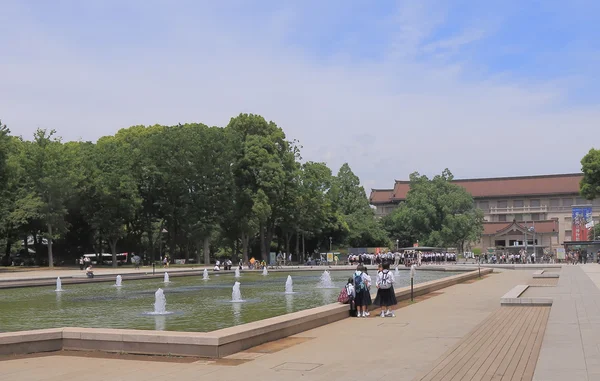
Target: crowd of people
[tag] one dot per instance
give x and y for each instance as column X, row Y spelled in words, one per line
column 406, row 258
column 357, row 291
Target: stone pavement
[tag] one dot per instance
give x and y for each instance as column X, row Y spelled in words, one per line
column 571, row 347
column 350, row 350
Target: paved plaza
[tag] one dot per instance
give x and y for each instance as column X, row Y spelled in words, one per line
column 441, row 337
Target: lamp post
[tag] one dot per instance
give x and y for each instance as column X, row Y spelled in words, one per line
column 412, row 279
column 397, row 244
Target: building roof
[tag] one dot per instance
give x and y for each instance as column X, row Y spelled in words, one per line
column 541, row 227
column 498, row 187
column 379, row 196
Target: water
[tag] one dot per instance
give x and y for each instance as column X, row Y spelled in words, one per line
column 118, row 281
column 289, row 285
column 325, row 281
column 196, row 306
column 58, row 285
column 205, row 275
column 166, row 278
column 265, row 271
column 236, row 294
column 396, row 272
column 237, row 273
column 160, row 303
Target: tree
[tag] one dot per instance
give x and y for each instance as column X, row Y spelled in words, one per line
column 590, row 166
column 49, row 183
column 112, row 191
column 355, row 220
column 436, row 213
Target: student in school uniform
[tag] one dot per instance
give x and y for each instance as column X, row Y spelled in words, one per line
column 361, row 286
column 386, row 296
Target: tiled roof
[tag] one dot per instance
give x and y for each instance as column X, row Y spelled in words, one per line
column 541, row 227
column 500, row 187
column 379, row 196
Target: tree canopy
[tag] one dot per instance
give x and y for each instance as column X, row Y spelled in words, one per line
column 190, row 191
column 436, row 213
column 590, row 166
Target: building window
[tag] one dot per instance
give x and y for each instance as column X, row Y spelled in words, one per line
column 568, row 235
column 499, row 243
column 534, row 203
column 518, row 203
column 502, row 204
column 502, row 218
column 518, row 217
column 555, row 202
column 581, row 201
column 568, row 219
column 535, row 216
column 596, row 202
column 484, row 205
column 567, row 202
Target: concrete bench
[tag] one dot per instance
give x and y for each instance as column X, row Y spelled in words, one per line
column 513, row 298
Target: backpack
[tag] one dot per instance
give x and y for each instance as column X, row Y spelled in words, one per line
column 386, row 283
column 359, row 284
column 344, row 298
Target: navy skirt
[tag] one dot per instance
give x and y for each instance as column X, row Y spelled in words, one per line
column 363, row 298
column 386, row 297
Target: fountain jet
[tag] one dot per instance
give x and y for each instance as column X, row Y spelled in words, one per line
column 289, row 285
column 58, row 285
column 205, row 275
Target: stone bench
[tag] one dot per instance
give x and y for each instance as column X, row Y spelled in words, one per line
column 513, row 298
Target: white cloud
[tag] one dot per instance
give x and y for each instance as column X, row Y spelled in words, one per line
column 386, row 118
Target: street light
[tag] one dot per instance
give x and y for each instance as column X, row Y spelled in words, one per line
column 397, row 244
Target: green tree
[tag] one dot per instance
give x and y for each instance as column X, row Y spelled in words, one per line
column 112, row 191
column 436, row 213
column 49, row 183
column 590, row 166
column 352, row 216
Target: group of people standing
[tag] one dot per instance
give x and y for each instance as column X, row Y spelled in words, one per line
column 358, row 290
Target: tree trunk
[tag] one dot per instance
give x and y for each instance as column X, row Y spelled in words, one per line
column 50, row 258
column 288, row 237
column 206, row 250
column 263, row 250
column 268, row 240
column 7, row 251
column 113, row 249
column 297, row 250
column 152, row 243
column 303, row 248
column 245, row 241
column 199, row 251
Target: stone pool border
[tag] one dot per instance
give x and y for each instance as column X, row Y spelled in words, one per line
column 215, row 344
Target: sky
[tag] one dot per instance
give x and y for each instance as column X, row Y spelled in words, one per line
column 484, row 88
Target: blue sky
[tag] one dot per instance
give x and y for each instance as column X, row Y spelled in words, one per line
column 493, row 88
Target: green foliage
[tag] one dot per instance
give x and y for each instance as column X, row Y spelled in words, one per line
column 197, row 191
column 590, row 166
column 436, row 213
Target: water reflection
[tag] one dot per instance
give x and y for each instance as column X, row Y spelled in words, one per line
column 327, row 294
column 237, row 313
column 289, row 303
column 160, row 322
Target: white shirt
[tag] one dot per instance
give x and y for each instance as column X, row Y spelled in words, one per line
column 389, row 275
column 350, row 290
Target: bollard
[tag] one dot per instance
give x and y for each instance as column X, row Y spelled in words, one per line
column 412, row 278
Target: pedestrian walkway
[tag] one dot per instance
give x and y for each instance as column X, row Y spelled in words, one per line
column 571, row 347
column 353, row 349
column 504, row 347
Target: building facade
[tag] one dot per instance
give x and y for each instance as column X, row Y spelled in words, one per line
column 520, row 212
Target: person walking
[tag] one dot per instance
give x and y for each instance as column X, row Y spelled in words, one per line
column 386, row 297
column 361, row 287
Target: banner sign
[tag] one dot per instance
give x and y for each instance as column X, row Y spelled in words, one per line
column 560, row 253
column 582, row 215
